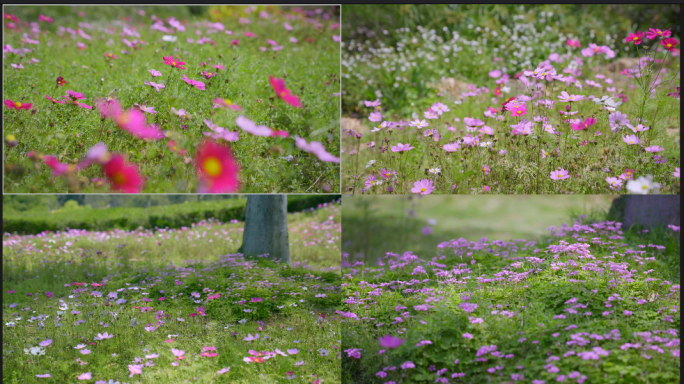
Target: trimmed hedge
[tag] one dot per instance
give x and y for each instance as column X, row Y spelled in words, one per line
column 172, row 216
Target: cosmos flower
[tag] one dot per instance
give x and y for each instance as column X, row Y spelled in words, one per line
column 423, row 187
column 250, row 127
column 216, row 168
column 176, row 63
column 559, row 174
column 122, row 176
column 17, row 105
column 283, row 93
column 317, row 149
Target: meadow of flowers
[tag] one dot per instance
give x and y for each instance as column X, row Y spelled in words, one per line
column 591, row 303
column 148, row 104
column 578, row 120
column 172, row 305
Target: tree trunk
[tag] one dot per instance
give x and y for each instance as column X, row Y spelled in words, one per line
column 266, row 228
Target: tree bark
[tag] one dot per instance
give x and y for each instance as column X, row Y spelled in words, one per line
column 266, row 228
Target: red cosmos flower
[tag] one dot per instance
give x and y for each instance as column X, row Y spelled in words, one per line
column 17, row 105
column 123, row 177
column 507, row 101
column 284, row 93
column 176, row 63
column 669, row 43
column 111, row 56
column 216, row 168
column 61, row 81
column 635, row 38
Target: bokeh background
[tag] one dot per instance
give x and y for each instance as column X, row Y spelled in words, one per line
column 374, row 225
column 491, row 36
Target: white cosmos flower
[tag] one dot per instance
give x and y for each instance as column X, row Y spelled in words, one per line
column 34, row 351
column 169, row 38
column 643, row 185
column 370, row 163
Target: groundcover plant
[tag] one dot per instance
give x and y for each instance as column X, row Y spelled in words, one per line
column 596, row 304
column 579, row 120
column 172, row 305
column 245, row 100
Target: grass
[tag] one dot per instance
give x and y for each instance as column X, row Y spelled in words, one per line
column 267, row 164
column 148, row 265
column 472, row 144
column 588, row 303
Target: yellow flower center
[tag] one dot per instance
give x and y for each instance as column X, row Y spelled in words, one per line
column 118, row 178
column 636, row 38
column 18, row 104
column 422, row 189
column 213, row 166
column 644, row 187
column 227, row 101
column 11, row 137
column 669, row 45
column 173, row 63
column 123, row 119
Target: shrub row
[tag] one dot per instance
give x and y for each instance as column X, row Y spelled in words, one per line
column 171, row 216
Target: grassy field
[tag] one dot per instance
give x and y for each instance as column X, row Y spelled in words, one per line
column 588, row 303
column 180, row 304
column 232, row 51
column 374, row 225
column 516, row 104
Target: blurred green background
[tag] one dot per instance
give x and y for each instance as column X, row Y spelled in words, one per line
column 579, row 18
column 374, row 225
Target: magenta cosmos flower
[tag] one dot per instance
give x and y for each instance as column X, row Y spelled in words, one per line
column 635, row 38
column 195, row 83
column 655, row 33
column 423, row 187
column 669, row 43
column 559, row 174
column 588, row 122
column 154, row 85
column 401, row 147
column 17, row 105
column 390, row 341
column 176, row 63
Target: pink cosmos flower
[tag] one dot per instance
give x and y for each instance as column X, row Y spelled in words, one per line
column 133, row 122
column 614, row 182
column 216, row 168
column 17, row 105
column 636, row 38
column 44, row 376
column 567, row 98
column 103, row 336
column 53, row 100
column 631, row 140
column 282, row 92
column 58, row 168
column 407, row 365
column 195, row 83
column 317, row 149
column 222, row 371
column 250, row 127
column 375, row 103
column 109, row 108
column 423, row 187
column 123, row 177
column 669, row 43
column 655, row 33
column 111, row 55
column 85, row 376
column 226, row 103
column 45, row 18
column 154, row 73
column 250, row 34
column 654, row 149
column 135, row 369
column 45, row 343
column 495, row 74
column 559, row 174
column 154, row 85
column 486, row 170
column 401, row 147
column 176, row 63
column 676, row 172
column 451, row 147
column 145, row 108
